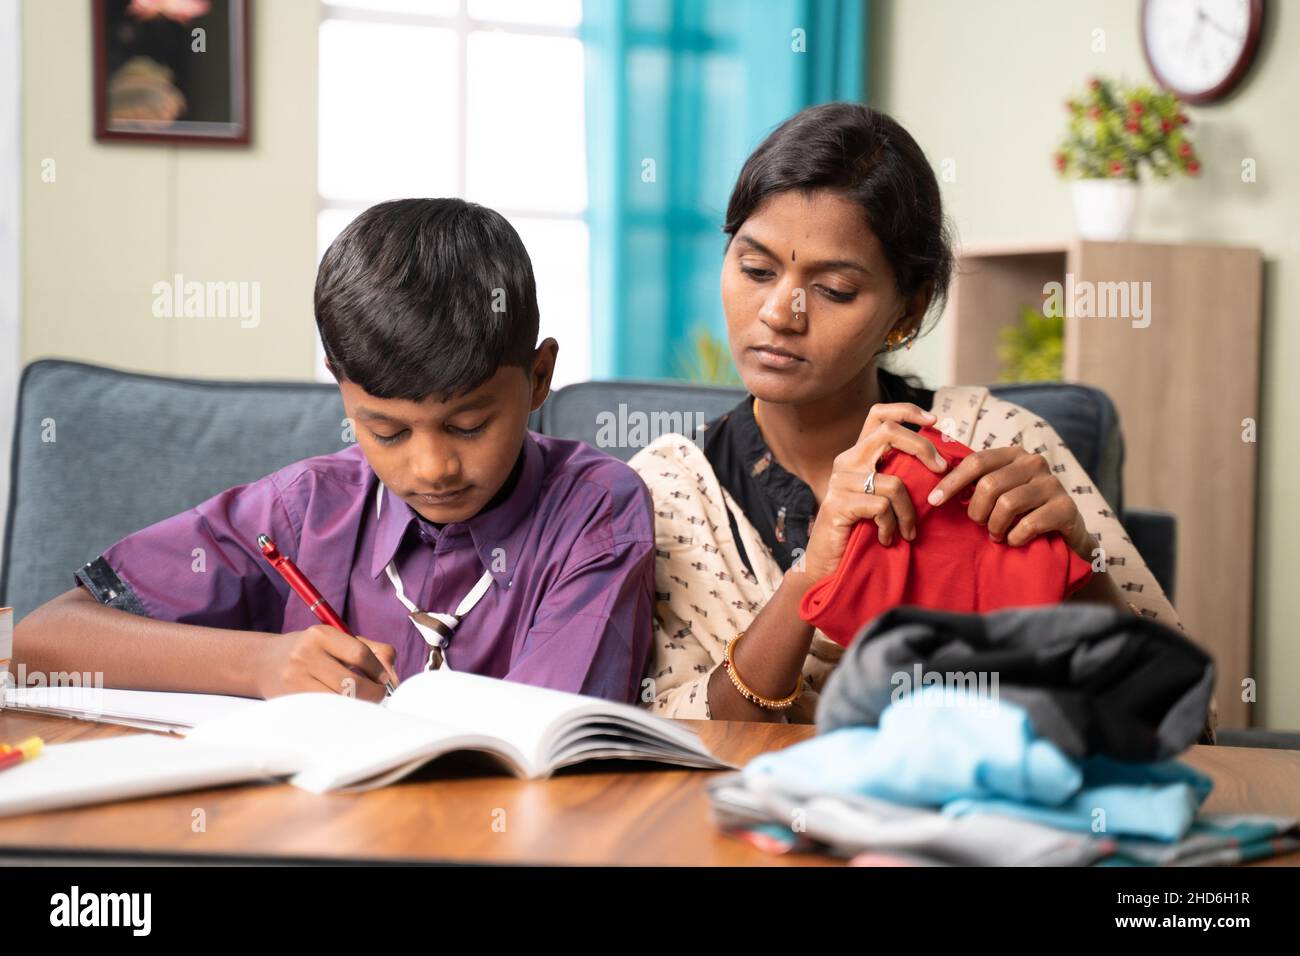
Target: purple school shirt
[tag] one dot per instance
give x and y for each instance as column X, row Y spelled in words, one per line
column 570, row 548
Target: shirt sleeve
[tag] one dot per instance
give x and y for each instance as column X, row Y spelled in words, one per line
column 680, row 670
column 591, row 634
column 202, row 566
column 704, row 594
column 1128, row 571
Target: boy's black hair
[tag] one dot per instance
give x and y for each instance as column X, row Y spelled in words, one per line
column 420, row 297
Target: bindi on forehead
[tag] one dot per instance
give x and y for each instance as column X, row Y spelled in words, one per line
column 792, row 255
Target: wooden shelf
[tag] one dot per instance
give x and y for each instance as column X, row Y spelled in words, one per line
column 1184, row 375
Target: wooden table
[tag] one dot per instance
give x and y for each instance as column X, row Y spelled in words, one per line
column 450, row 812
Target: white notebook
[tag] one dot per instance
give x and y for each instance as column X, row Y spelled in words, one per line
column 144, row 709
column 324, row 742
column 119, row 768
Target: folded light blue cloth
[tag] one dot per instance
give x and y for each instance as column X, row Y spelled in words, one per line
column 930, row 748
column 1158, row 801
column 969, row 754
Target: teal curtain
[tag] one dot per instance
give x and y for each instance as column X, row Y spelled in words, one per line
column 678, row 93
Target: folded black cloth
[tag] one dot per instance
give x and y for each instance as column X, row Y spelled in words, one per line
column 1094, row 679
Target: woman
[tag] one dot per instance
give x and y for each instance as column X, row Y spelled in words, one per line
column 837, row 253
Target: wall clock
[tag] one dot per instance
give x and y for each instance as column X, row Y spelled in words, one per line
column 1201, row 49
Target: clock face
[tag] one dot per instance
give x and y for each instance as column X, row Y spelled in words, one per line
column 1200, row 48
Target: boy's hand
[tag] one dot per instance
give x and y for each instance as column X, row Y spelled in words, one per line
column 323, row 658
column 387, row 655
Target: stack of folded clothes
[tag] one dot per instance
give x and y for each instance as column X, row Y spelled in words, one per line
column 1036, row 736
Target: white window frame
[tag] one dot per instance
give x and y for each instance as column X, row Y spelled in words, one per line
column 462, row 24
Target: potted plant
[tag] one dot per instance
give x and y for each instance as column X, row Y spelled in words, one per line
column 1114, row 131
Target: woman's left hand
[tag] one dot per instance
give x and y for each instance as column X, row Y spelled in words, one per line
column 1017, row 497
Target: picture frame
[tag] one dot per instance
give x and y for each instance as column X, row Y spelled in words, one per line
column 172, row 71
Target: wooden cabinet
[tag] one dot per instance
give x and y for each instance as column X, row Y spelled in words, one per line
column 1171, row 332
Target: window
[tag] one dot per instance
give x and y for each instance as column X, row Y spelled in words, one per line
column 481, row 99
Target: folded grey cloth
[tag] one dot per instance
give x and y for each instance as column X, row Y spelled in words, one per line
column 849, row 825
column 1215, row 839
column 783, row 815
column 1094, row 679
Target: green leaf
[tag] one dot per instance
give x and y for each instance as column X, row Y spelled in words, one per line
column 1034, row 349
column 708, row 360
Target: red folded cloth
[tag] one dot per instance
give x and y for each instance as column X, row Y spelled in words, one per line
column 952, row 565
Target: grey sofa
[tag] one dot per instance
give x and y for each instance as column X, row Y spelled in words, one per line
column 99, row 453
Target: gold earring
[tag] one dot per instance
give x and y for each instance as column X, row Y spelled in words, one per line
column 896, row 340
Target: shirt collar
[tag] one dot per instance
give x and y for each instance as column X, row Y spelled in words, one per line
column 491, row 529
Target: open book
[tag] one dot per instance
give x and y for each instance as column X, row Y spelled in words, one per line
column 325, row 742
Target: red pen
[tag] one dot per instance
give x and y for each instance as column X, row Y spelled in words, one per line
column 304, row 589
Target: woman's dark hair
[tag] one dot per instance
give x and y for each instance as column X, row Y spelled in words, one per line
column 868, row 158
column 418, row 297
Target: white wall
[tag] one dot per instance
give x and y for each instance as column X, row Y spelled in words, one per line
column 120, row 217
column 10, row 223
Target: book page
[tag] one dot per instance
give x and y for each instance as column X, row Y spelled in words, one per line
column 518, row 713
column 531, row 718
column 330, row 739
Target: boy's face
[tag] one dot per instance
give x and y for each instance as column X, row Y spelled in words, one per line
column 447, row 460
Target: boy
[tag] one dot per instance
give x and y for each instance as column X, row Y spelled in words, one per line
column 542, row 548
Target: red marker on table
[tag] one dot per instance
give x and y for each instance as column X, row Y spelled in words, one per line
column 304, row 589
column 12, row 756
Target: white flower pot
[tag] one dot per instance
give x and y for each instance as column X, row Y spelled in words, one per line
column 1104, row 208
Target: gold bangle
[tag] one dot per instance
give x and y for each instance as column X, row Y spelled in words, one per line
column 767, row 703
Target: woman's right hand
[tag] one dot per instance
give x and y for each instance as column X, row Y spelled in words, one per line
column 845, row 503
column 323, row 658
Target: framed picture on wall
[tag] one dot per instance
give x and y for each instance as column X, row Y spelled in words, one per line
column 171, row 71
